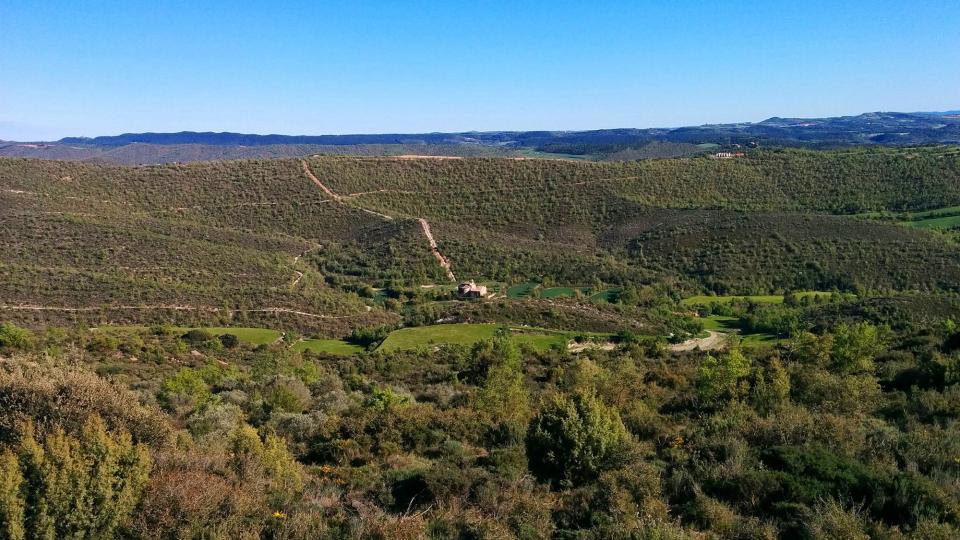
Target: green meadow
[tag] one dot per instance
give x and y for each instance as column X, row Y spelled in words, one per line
column 521, row 290
column 947, row 217
column 944, row 222
column 731, row 325
column 540, row 339
column 608, row 295
column 415, row 337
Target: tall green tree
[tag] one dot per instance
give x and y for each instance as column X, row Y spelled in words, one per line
column 575, row 438
column 722, row 378
column 503, row 394
column 856, row 346
column 772, row 387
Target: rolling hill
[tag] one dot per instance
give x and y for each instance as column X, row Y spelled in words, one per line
column 262, row 239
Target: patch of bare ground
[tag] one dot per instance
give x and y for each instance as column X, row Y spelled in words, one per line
column 714, row 340
column 436, row 250
column 591, row 345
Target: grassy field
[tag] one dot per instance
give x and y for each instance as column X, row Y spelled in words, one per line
column 730, row 325
column 720, row 323
column 522, row 290
column 943, row 222
column 947, row 217
column 703, row 300
column 253, row 336
column 330, row 346
column 405, row 338
column 936, row 212
column 556, row 292
column 605, row 296
column 462, row 334
column 542, row 341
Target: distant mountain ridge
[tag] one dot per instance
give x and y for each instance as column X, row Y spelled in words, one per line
column 867, row 127
column 875, row 128
column 245, row 139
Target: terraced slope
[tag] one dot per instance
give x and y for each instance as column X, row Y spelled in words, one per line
column 208, row 242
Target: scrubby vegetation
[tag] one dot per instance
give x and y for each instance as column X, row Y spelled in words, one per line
column 674, row 348
column 848, row 430
column 228, row 242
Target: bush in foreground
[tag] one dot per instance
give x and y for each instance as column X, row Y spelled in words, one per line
column 575, row 438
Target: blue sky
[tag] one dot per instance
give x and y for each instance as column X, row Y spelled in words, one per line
column 312, row 67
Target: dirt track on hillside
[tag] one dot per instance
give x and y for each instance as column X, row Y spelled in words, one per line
column 310, row 175
column 424, row 226
column 436, row 250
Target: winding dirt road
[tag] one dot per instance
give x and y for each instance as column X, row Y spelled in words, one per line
column 443, row 261
column 310, row 175
column 296, row 260
column 436, row 250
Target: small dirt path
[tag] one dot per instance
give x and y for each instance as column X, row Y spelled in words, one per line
column 714, row 340
column 378, row 214
column 443, row 261
column 335, row 196
column 310, row 175
column 297, row 260
column 436, row 250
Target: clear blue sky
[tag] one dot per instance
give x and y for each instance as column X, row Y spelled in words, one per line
column 313, row 67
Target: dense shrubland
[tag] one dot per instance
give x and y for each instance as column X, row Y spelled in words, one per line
column 753, row 253
column 847, row 181
column 225, row 235
column 846, row 429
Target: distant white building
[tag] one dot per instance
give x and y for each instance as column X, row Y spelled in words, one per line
column 469, row 289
